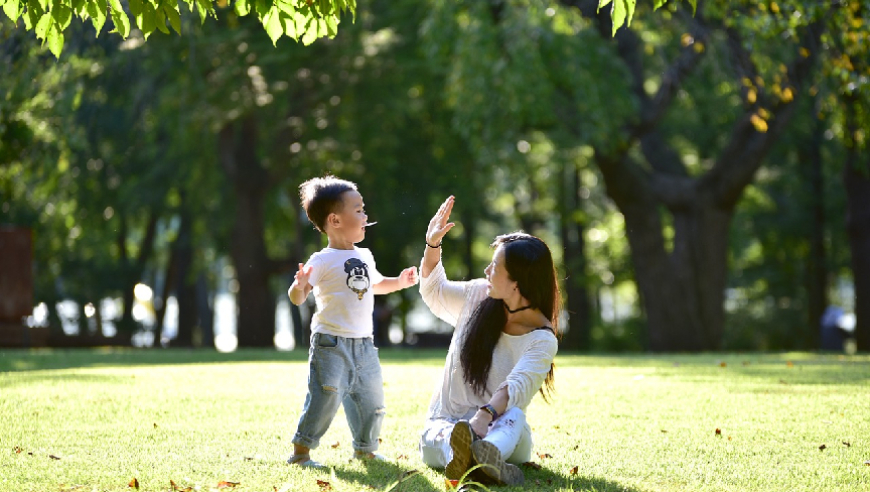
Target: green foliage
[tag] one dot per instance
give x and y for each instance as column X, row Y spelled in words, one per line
column 300, row 20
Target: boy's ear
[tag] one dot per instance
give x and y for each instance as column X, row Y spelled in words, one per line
column 333, row 220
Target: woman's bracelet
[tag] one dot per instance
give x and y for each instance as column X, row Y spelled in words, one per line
column 434, row 247
column 490, row 410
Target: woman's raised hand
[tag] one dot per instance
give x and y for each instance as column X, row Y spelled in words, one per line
column 439, row 224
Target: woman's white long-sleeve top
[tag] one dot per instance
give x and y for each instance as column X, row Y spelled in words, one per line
column 520, row 363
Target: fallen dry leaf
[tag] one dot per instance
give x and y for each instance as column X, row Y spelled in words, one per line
column 324, row 485
column 723, row 364
column 664, row 431
column 17, row 450
column 789, row 364
column 822, row 447
column 847, row 444
column 134, row 484
column 226, row 485
column 176, row 488
column 337, row 444
column 718, row 432
column 53, row 457
column 573, row 471
column 544, row 455
column 402, row 457
column 532, row 464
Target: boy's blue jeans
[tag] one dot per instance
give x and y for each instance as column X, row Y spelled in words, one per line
column 343, row 371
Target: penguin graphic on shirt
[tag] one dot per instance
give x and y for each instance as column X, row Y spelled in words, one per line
column 357, row 276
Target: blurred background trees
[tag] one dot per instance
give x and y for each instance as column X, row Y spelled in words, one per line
column 701, row 177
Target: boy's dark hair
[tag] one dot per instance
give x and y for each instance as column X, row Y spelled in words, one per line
column 321, row 197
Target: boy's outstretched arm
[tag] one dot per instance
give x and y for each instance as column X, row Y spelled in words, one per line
column 408, row 278
column 300, row 289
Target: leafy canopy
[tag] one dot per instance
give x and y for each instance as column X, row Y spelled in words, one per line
column 301, row 20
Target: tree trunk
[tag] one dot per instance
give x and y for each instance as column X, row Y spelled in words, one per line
column 682, row 290
column 250, row 181
column 166, row 291
column 126, row 323
column 856, row 178
column 205, row 312
column 817, row 270
column 132, row 271
column 578, row 335
column 185, row 288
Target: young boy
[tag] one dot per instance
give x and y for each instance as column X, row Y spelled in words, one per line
column 343, row 362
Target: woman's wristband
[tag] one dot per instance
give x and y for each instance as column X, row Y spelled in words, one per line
column 490, row 410
column 434, row 247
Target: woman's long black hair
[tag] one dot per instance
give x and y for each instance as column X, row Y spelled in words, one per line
column 529, row 263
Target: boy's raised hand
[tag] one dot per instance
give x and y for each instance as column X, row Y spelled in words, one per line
column 408, row 277
column 302, row 276
column 301, row 287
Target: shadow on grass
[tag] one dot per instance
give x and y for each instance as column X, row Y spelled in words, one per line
column 597, row 484
column 386, row 476
column 20, row 360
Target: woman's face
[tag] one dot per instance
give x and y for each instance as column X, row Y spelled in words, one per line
column 500, row 284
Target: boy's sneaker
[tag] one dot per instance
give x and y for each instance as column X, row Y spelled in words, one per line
column 502, row 472
column 461, row 439
column 304, row 461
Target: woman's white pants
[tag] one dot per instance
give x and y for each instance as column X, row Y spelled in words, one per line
column 510, row 433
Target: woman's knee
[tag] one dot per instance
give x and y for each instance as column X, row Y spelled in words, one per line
column 513, row 416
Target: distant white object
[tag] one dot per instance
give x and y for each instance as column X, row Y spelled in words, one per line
column 226, row 342
column 847, row 322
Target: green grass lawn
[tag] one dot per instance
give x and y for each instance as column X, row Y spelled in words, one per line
column 95, row 420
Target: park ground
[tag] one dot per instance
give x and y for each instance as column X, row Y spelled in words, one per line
column 175, row 420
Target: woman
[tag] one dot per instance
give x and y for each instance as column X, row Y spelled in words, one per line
column 501, row 354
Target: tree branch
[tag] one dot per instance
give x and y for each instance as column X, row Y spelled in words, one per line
column 678, row 71
column 746, row 148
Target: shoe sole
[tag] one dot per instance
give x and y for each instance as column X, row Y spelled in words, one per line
column 460, row 442
column 488, row 455
column 309, row 463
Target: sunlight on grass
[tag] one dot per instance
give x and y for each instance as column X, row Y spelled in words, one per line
column 95, row 420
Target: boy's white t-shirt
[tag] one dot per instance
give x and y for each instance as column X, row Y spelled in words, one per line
column 342, row 281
